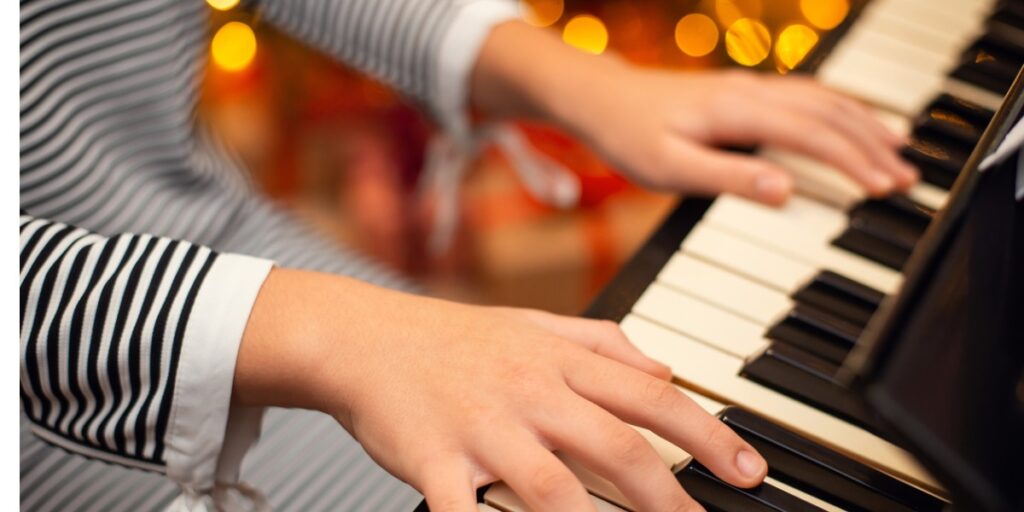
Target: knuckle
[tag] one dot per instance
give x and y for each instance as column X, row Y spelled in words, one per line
column 718, row 435
column 660, row 395
column 629, row 448
column 551, row 483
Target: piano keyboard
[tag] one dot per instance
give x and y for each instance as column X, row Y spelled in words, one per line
column 758, row 307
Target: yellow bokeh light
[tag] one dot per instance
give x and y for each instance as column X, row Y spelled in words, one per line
column 730, row 11
column 222, row 5
column 541, row 13
column 587, row 33
column 825, row 14
column 696, row 35
column 794, row 43
column 748, row 41
column 233, row 46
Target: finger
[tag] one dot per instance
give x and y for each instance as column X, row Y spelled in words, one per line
column 534, row 473
column 661, row 407
column 859, row 127
column 602, row 337
column 853, row 121
column 805, row 135
column 617, row 452
column 449, row 488
column 714, row 171
column 812, row 89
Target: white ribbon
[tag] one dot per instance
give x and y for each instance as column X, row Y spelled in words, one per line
column 1013, row 142
column 224, row 497
column 447, row 163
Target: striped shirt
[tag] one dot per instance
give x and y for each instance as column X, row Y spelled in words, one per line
column 143, row 243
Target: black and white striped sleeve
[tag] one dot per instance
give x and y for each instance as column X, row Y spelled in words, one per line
column 128, row 345
column 424, row 48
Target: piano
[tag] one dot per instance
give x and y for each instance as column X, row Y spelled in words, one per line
column 872, row 349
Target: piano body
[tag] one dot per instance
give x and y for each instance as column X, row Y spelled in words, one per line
column 871, row 349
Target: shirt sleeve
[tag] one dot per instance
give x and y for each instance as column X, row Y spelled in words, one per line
column 128, row 347
column 424, row 48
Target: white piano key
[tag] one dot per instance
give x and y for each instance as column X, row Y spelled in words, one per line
column 973, row 94
column 908, row 72
column 879, row 82
column 921, row 36
column 501, row 496
column 725, row 289
column 715, row 373
column 747, row 258
column 482, row 507
column 784, row 230
column 929, row 195
column 953, row 18
column 698, row 319
column 833, row 187
column 797, row 493
column 894, row 49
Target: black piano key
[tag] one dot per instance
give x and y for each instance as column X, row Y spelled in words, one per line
column 714, row 494
column 939, row 158
column 822, row 321
column 792, row 331
column 809, row 379
column 823, row 473
column 937, row 151
column 861, row 292
column 989, row 63
column 840, row 296
column 954, row 118
column 970, row 111
column 864, row 243
column 950, row 124
column 1009, row 12
column 895, row 220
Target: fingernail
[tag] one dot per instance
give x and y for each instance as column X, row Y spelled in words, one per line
column 771, row 186
column 750, row 464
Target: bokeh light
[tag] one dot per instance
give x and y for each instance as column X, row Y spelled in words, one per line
column 748, row 41
column 233, row 46
column 222, row 5
column 731, row 11
column 541, row 13
column 825, row 14
column 696, row 35
column 794, row 43
column 587, row 33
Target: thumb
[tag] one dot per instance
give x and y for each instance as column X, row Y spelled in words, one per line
column 702, row 170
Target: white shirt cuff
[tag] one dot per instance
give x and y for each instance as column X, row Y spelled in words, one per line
column 197, row 453
column 459, row 50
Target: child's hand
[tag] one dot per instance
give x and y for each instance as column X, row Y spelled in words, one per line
column 450, row 397
column 664, row 129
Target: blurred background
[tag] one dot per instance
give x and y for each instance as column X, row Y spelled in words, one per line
column 345, row 152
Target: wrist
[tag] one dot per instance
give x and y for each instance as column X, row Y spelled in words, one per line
column 295, row 324
column 528, row 73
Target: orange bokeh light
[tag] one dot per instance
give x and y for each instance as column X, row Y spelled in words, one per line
column 696, row 35
column 587, row 33
column 748, row 41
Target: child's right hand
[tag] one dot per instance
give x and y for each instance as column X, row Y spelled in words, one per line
column 449, row 397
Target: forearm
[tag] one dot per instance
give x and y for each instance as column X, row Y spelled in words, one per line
column 528, row 73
